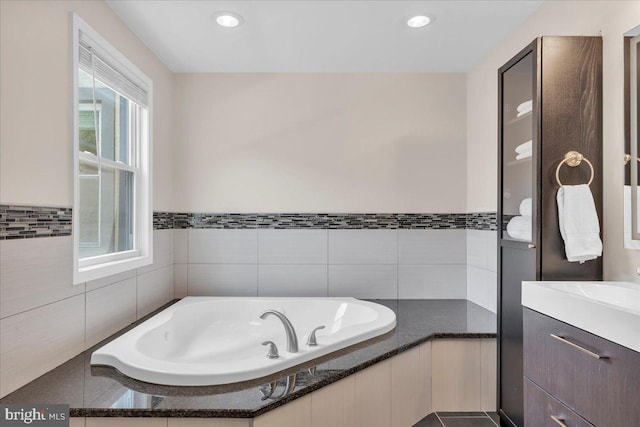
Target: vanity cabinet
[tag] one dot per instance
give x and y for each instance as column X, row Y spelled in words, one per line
column 579, row 378
column 550, row 103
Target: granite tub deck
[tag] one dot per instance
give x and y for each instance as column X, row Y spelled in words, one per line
column 104, row 392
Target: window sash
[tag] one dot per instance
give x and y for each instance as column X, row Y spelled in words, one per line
column 90, row 61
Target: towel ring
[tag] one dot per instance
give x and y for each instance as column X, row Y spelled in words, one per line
column 573, row 159
column 627, row 159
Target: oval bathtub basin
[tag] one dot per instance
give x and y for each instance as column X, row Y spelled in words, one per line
column 218, row 340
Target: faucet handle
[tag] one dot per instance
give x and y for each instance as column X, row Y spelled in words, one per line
column 311, row 342
column 273, row 350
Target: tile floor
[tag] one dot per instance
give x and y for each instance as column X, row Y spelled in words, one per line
column 460, row 419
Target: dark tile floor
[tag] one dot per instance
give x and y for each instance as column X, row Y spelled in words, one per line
column 460, row 419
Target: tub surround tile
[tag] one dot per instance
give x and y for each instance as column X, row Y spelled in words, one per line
column 432, row 247
column 181, row 246
column 43, row 264
column 109, row 309
column 482, row 287
column 295, row 280
column 292, row 246
column 222, row 280
column 162, row 251
column 363, row 247
column 447, row 281
column 154, row 289
column 36, row 341
column 223, row 247
column 363, row 281
column 180, row 280
column 418, row 322
column 110, row 280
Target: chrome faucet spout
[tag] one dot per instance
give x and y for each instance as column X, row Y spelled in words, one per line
column 292, row 339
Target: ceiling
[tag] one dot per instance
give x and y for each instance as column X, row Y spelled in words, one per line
column 322, row 36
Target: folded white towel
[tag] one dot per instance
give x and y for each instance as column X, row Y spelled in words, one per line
column 525, row 207
column 522, row 113
column 519, row 227
column 523, row 155
column 578, row 221
column 525, row 147
column 525, row 106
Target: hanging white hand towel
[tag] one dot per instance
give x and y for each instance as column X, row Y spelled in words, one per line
column 578, row 221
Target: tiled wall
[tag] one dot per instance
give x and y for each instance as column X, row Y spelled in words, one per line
column 482, row 267
column 45, row 320
column 360, row 263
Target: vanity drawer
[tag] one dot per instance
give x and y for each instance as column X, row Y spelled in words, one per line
column 542, row 410
column 562, row 359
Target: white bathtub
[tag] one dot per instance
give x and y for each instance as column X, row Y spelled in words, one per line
column 218, row 340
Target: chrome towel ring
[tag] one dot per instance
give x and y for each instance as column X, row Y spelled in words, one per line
column 573, row 159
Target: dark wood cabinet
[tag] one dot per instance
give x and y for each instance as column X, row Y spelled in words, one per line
column 550, row 103
column 593, row 377
column 544, row 410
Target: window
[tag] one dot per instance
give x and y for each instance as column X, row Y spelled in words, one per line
column 112, row 223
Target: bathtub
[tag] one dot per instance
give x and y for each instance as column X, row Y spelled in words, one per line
column 203, row 341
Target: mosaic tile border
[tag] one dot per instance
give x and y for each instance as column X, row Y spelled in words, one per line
column 27, row 222
column 24, row 222
column 474, row 221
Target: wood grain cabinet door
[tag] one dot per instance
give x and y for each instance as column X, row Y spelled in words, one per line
column 563, row 360
column 541, row 410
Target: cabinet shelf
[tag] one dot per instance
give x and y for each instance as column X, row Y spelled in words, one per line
column 519, row 119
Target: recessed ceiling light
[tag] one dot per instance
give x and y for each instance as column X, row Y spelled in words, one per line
column 228, row 19
column 418, row 21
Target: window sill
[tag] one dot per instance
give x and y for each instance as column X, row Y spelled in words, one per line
column 99, row 271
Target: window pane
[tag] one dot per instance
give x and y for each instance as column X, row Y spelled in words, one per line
column 113, row 116
column 89, row 207
column 106, row 212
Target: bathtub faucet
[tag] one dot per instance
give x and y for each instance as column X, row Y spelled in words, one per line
column 292, row 339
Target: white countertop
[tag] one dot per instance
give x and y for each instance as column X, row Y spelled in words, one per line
column 610, row 310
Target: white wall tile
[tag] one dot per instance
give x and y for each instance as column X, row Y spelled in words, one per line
column 154, row 289
column 363, row 281
column 363, row 246
column 223, row 279
column 35, row 272
column 292, row 246
column 180, row 246
column 180, row 280
column 162, row 251
column 36, row 341
column 447, row 281
column 110, row 280
column 482, row 249
column 482, row 287
column 432, row 246
column 109, row 309
column 223, row 246
column 292, row 280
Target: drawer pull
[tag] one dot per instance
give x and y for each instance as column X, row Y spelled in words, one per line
column 576, row 346
column 559, row 421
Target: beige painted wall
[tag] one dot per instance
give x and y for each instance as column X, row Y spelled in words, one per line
column 611, row 19
column 320, row 142
column 35, row 92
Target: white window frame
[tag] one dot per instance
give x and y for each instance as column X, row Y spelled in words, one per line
column 105, row 265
